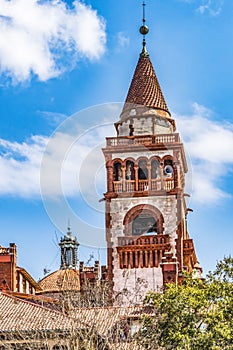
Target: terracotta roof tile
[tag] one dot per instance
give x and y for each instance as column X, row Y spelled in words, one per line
column 145, row 89
column 106, row 317
column 105, row 320
column 20, row 315
column 61, row 280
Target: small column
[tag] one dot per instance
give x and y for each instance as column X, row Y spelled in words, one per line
column 123, row 169
column 131, row 259
column 121, row 260
column 109, row 177
column 176, row 175
column 136, row 259
column 161, row 176
column 141, row 258
column 146, row 258
column 126, row 262
column 156, row 258
column 149, row 176
column 151, row 259
column 136, row 177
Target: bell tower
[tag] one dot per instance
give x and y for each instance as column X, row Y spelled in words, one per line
column 147, row 239
column 69, row 251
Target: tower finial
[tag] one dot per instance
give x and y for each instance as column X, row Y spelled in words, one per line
column 144, row 30
column 68, row 228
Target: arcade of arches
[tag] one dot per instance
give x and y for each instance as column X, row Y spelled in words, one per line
column 144, row 174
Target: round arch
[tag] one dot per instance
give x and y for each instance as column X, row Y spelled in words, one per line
column 143, row 219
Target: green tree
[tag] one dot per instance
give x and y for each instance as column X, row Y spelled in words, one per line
column 197, row 314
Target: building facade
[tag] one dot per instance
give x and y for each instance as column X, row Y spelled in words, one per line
column 146, row 231
column 12, row 277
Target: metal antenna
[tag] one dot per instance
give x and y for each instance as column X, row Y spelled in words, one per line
column 143, row 8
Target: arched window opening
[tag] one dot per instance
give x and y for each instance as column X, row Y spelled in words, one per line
column 130, row 173
column 168, row 168
column 144, row 224
column 143, row 220
column 155, row 169
column 68, row 256
column 117, row 171
column 142, row 170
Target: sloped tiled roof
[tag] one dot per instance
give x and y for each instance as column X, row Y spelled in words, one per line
column 39, row 299
column 145, row 89
column 105, row 320
column 20, row 315
column 106, row 317
column 61, row 280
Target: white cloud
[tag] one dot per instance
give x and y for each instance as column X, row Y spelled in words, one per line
column 211, row 7
column 20, row 167
column 46, row 38
column 122, row 40
column 69, row 165
column 74, row 162
column 209, row 145
column 53, row 118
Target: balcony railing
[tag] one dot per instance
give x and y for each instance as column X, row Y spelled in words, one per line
column 143, row 251
column 159, row 240
column 142, row 140
column 143, row 185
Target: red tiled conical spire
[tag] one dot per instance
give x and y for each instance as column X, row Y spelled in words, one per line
column 145, row 97
column 145, row 89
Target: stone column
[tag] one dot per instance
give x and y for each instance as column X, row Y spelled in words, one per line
column 136, row 177
column 109, row 177
column 123, row 169
column 161, row 176
column 141, row 258
column 146, row 258
column 131, row 259
column 149, row 176
column 136, row 259
column 151, row 259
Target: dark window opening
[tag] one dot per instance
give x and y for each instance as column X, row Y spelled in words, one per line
column 142, row 170
column 155, row 169
column 168, row 168
column 144, row 225
column 117, row 172
column 130, row 173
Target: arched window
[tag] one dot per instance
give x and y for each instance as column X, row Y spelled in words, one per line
column 117, row 171
column 142, row 170
column 168, row 168
column 144, row 224
column 143, row 219
column 155, row 169
column 130, row 173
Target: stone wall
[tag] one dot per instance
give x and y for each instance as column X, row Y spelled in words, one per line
column 119, row 207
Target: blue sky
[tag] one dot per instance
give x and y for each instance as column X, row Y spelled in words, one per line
column 60, row 58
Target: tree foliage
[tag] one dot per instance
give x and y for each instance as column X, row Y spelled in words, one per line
column 196, row 314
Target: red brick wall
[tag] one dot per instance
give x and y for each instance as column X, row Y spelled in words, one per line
column 8, row 268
